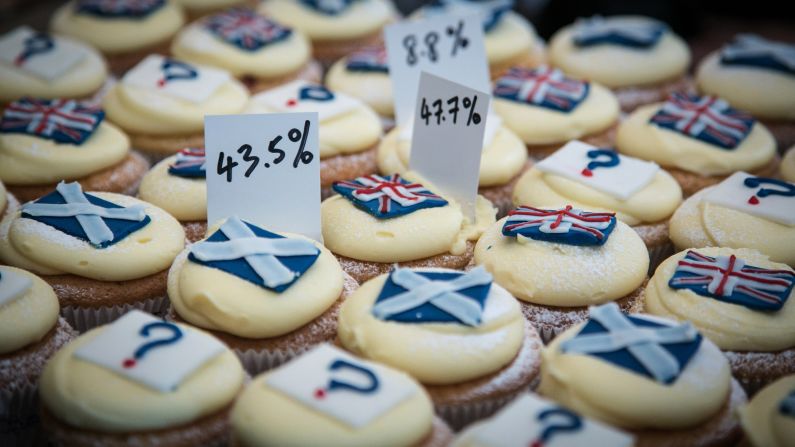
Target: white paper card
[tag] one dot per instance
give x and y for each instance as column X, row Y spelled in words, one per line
column 12, row 285
column 621, row 181
column 301, row 96
column 43, row 56
column 493, row 124
column 761, row 198
column 194, row 83
column 341, row 386
column 264, row 169
column 451, row 46
column 447, row 146
column 162, row 367
column 523, row 423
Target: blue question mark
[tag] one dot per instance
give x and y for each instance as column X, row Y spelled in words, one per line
column 569, row 422
column 755, row 182
column 176, row 334
column 334, row 385
column 612, row 160
column 35, row 44
column 176, row 70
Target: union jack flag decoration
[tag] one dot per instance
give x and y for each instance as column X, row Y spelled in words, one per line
column 388, row 197
column 328, row 7
column 61, row 120
column 598, row 30
column 563, row 226
column 190, row 163
column 246, row 29
column 119, row 8
column 705, row 118
column 754, row 51
column 543, row 86
column 369, row 59
column 729, row 279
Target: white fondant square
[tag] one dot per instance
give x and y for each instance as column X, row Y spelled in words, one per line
column 12, row 286
column 149, row 74
column 286, row 99
column 49, row 65
column 621, row 181
column 733, row 193
column 162, row 368
column 303, row 377
column 493, row 124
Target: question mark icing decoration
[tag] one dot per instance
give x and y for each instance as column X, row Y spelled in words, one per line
column 36, row 44
column 175, row 70
column 176, row 334
column 334, row 385
column 756, row 182
column 568, row 422
column 610, row 161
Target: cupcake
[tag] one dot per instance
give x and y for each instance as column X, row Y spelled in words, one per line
column 340, row 400
column 375, row 222
column 199, row 8
column 787, row 169
column 30, row 333
column 561, row 108
column 269, row 302
column 529, row 251
column 503, row 160
column 335, row 28
column 757, row 75
column 162, row 102
column 585, row 177
column 738, row 298
column 125, row 31
column 103, row 253
column 364, row 75
column 37, row 64
column 349, row 130
column 640, row 58
column 700, row 140
column 256, row 50
column 140, row 381
column 743, row 211
column 769, row 418
column 662, row 382
column 8, row 203
column 458, row 333
column 45, row 141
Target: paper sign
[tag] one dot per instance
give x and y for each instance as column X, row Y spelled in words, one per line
column 449, row 125
column 39, row 54
column 176, row 78
column 451, row 46
column 301, row 96
column 264, row 169
column 493, row 124
column 770, row 199
column 13, row 285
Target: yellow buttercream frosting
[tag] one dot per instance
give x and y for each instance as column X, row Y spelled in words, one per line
column 640, row 138
column 372, row 88
column 202, row 6
column 3, row 198
column 698, row 223
column 360, row 19
column 90, row 397
column 761, row 92
column 619, row 66
column 8, row 255
column 31, row 160
column 512, row 37
column 540, row 125
column 654, row 203
column 27, row 318
column 118, row 35
column 434, row 353
column 182, row 197
column 601, row 390
column 762, row 421
column 787, row 168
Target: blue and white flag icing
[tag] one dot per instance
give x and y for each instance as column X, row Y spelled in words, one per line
column 136, row 9
column 750, row 50
column 627, row 32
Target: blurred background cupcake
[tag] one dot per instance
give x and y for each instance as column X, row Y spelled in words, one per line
column 364, row 75
column 768, row 419
column 198, row 8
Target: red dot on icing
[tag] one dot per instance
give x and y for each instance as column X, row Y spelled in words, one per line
column 587, row 172
column 291, row 102
column 320, row 393
column 161, row 83
column 536, row 443
column 128, row 363
column 753, row 200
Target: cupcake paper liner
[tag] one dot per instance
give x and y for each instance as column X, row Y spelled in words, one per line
column 256, row 362
column 659, row 254
column 458, row 416
column 83, row 319
column 17, row 408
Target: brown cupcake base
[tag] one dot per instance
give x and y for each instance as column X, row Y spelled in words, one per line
column 328, row 51
column 692, row 183
column 605, row 138
column 755, row 370
column 157, row 147
column 655, row 236
column 533, row 58
column 501, row 196
column 195, row 230
column 630, row 98
column 119, row 63
column 346, row 167
column 312, row 71
column 783, row 132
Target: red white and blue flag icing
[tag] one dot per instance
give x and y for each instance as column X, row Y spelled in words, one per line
column 731, row 280
column 387, row 197
column 119, row 8
column 491, row 11
column 61, row 120
column 543, row 86
column 329, row 7
column 787, row 405
column 246, row 29
column 705, row 118
column 368, row 59
column 643, row 345
column 256, row 255
column 190, row 163
column 562, row 226
column 750, row 50
column 598, row 30
column 84, row 216
column 411, row 296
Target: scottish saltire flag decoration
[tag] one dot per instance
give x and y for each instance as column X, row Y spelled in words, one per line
column 119, row 8
column 190, row 163
column 87, row 217
column 387, row 197
column 562, row 226
column 329, row 7
column 787, row 405
column 413, row 296
column 641, row 344
column 256, row 255
column 705, row 118
column 245, row 29
column 490, row 11
column 730, row 279
column 544, row 87
column 368, row 59
column 13, row 285
column 61, row 120
column 750, row 50
column 632, row 33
